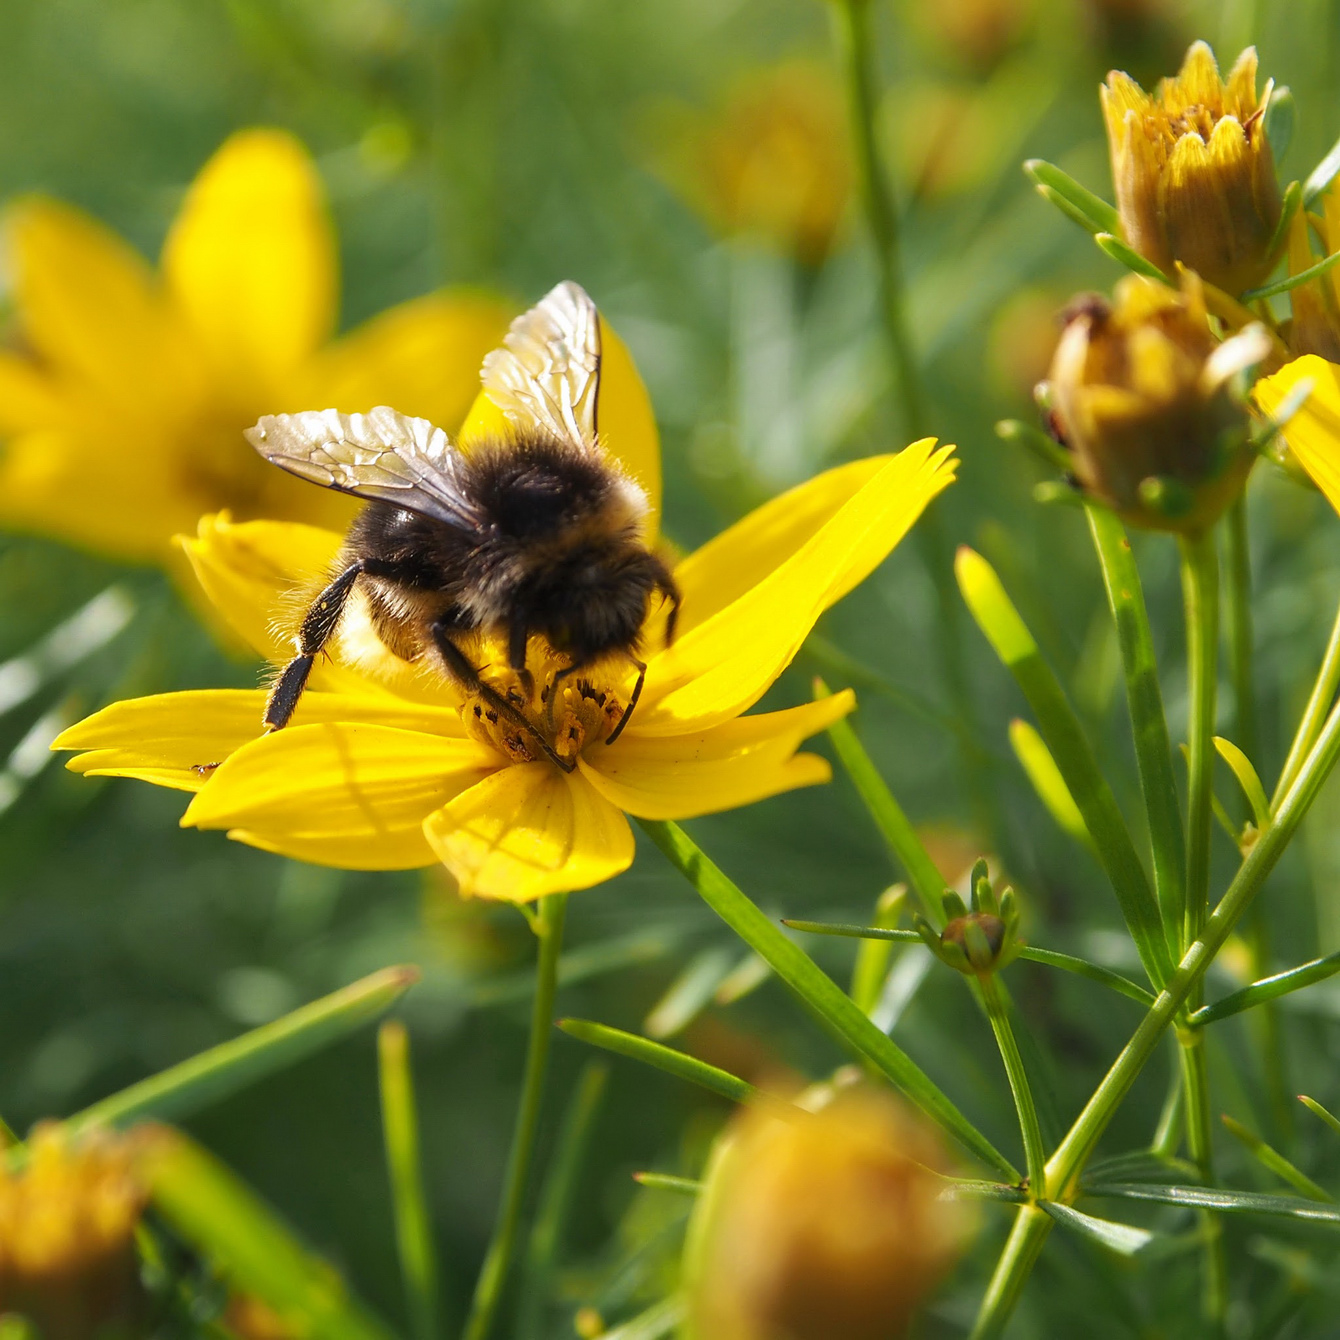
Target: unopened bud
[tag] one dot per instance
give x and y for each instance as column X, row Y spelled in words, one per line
column 978, row 938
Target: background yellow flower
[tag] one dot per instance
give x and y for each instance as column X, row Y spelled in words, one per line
column 126, row 395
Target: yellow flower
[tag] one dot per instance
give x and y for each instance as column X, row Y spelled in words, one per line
column 1193, row 171
column 1313, row 430
column 1142, row 394
column 66, row 1225
column 126, row 396
column 821, row 1226
column 771, row 161
column 387, row 765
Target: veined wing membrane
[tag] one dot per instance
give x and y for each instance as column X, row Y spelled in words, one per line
column 547, row 374
column 382, row 455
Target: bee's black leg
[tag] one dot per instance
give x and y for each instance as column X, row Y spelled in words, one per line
column 318, row 626
column 666, row 586
column 632, row 701
column 465, row 674
column 516, row 656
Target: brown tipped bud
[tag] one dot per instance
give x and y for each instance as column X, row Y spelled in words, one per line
column 823, row 1226
column 1147, row 401
column 67, row 1220
column 1193, row 171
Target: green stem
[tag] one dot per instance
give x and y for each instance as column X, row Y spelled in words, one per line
column 1149, row 723
column 1069, row 1158
column 1238, row 629
column 822, row 996
column 1035, row 1153
column 1200, row 1143
column 1200, row 591
column 1022, row 1248
column 502, row 1247
column 1314, row 714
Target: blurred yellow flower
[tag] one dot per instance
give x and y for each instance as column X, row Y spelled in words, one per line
column 1315, row 324
column 124, row 396
column 66, row 1223
column 1193, row 170
column 1143, row 394
column 1313, row 430
column 771, row 161
column 829, row 1225
column 388, row 766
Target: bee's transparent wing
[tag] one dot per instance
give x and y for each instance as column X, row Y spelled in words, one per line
column 547, row 373
column 382, row 454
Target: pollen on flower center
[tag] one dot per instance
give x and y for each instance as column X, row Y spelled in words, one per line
column 567, row 711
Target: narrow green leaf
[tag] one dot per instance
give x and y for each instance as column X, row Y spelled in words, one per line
column 1219, row 1198
column 1123, row 254
column 1050, row 452
column 673, row 1062
column 251, row 1247
column 817, row 991
column 1144, row 704
column 872, row 956
column 747, row 976
column 1318, row 1111
column 970, row 1188
column 215, row 1074
column 684, row 1186
column 1086, row 208
column 1289, row 206
column 1293, row 281
column 888, row 815
column 1095, row 972
column 1274, row 1161
column 1122, row 1238
column 1036, row 760
column 413, row 1227
column 1268, row 988
column 1060, row 728
column 1279, row 121
column 653, row 1324
column 1247, row 779
column 1322, row 175
column 689, row 993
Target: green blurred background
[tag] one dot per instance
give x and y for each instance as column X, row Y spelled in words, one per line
column 510, row 145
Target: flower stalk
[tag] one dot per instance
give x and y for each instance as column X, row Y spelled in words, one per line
column 1035, row 1152
column 502, row 1246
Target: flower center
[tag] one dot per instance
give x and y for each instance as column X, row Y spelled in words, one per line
column 567, row 711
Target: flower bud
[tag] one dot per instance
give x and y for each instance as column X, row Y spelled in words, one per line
column 977, row 939
column 829, row 1225
column 67, row 1219
column 1148, row 403
column 1193, row 171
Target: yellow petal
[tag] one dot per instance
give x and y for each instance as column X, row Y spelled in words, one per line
column 89, row 305
column 741, row 556
column 627, row 423
column 421, row 358
column 736, row 763
column 250, row 261
column 1313, row 434
column 357, row 791
column 723, row 666
column 530, row 830
column 168, row 737
column 28, row 396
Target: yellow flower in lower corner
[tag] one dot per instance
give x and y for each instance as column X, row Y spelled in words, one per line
column 123, row 400
column 386, row 766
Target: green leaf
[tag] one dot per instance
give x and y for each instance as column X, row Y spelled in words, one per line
column 1123, row 254
column 251, row 1247
column 1279, row 121
column 1247, row 779
column 1036, row 760
column 1318, row 1111
column 684, row 1186
column 215, row 1074
column 657, row 1321
column 413, row 1226
column 1122, row 1238
column 818, row 992
column 679, row 1064
column 1268, row 988
column 1050, row 452
column 1322, row 175
column 1293, row 281
column 1095, row 972
column 744, row 978
column 689, row 993
column 1289, row 206
column 872, row 955
column 1273, row 1160
column 1219, row 1198
column 1060, row 728
column 888, row 815
column 1078, row 202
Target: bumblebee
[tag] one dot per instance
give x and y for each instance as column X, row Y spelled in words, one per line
column 537, row 531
